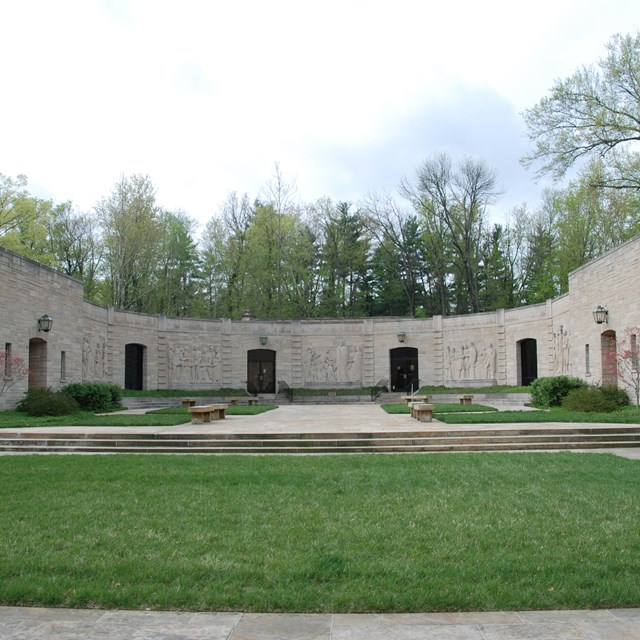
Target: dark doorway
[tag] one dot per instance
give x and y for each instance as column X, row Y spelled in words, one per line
column 134, row 366
column 404, row 369
column 528, row 361
column 37, row 363
column 261, row 371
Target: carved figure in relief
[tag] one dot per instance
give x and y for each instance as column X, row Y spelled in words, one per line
column 490, row 366
column 194, row 363
column 473, row 359
column 448, row 360
column 468, row 362
column 354, row 367
column 561, row 346
column 344, row 364
column 94, row 356
column 86, row 355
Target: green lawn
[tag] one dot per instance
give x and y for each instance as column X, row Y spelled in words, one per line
column 431, row 390
column 440, row 407
column 387, row 533
column 628, row 415
column 179, row 393
column 166, row 416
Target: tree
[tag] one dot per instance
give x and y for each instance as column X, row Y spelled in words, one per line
column 16, row 206
column 178, row 269
column 400, row 251
column 12, row 370
column 213, row 255
column 344, row 258
column 453, row 201
column 628, row 361
column 74, row 243
column 497, row 281
column 539, row 279
column 593, row 113
column 131, row 233
column 237, row 216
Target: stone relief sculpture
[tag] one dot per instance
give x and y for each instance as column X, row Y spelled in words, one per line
column 194, row 363
column 94, row 356
column 468, row 362
column 341, row 364
column 561, row 351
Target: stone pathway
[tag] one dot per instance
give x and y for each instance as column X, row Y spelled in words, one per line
column 18, row 623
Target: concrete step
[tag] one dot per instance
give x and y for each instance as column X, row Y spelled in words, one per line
column 509, row 439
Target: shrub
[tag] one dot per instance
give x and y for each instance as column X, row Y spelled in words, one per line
column 589, row 400
column 549, row 392
column 39, row 401
column 619, row 397
column 94, row 396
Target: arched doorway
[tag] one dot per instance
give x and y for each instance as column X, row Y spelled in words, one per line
column 134, row 366
column 527, row 361
column 608, row 348
column 261, row 371
column 405, row 375
column 37, row 363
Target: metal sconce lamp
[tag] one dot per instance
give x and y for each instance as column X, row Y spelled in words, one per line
column 45, row 323
column 402, row 336
column 263, row 339
column 601, row 314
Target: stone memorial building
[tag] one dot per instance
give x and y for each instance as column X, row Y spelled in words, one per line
column 86, row 342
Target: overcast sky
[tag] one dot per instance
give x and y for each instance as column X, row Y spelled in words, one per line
column 347, row 96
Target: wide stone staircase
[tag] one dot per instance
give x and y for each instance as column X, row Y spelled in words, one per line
column 435, row 439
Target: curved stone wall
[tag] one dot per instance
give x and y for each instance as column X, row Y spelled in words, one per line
column 89, row 342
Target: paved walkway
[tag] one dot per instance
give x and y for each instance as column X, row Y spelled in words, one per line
column 312, row 418
column 69, row 624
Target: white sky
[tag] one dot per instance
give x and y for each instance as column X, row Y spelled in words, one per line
column 346, row 96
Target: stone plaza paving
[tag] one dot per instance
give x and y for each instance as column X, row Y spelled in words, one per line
column 18, row 623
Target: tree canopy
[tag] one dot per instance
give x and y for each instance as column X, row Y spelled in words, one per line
column 594, row 113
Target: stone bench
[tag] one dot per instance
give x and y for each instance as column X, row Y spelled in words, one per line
column 250, row 400
column 207, row 413
column 422, row 411
column 410, row 399
column 188, row 402
column 467, row 399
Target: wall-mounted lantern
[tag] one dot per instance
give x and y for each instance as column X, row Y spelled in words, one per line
column 263, row 339
column 45, row 323
column 402, row 336
column 601, row 314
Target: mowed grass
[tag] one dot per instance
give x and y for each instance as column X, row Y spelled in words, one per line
column 439, row 407
column 386, row 533
column 166, row 416
column 628, row 415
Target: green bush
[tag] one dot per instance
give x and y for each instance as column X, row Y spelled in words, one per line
column 619, row 397
column 39, row 401
column 549, row 392
column 96, row 397
column 589, row 400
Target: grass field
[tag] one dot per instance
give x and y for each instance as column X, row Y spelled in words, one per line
column 628, row 415
column 440, row 407
column 166, row 416
column 350, row 533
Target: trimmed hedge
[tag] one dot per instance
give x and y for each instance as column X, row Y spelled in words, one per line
column 589, row 400
column 96, row 397
column 39, row 401
column 549, row 392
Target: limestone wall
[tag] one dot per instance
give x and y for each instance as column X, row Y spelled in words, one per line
column 27, row 291
column 90, row 342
